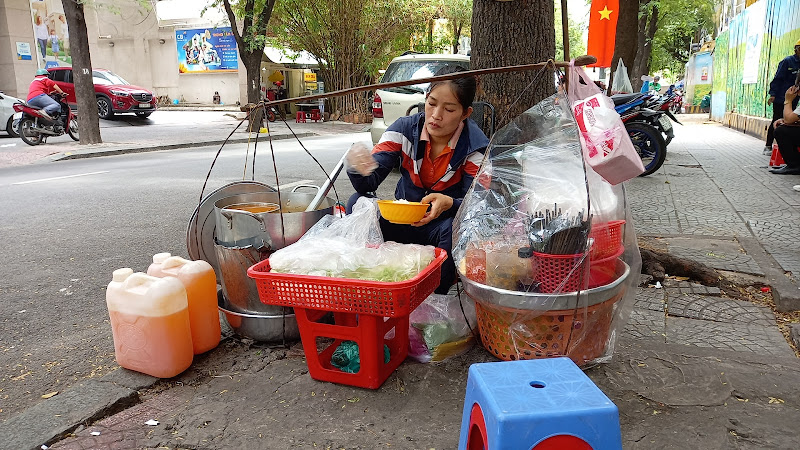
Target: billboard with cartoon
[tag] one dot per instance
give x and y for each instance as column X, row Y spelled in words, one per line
column 205, row 50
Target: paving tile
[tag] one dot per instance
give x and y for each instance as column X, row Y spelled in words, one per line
column 718, row 309
column 675, row 287
column 727, row 336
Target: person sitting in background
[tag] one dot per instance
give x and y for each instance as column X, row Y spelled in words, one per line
column 438, row 152
column 787, row 134
column 39, row 94
column 785, row 76
column 655, row 85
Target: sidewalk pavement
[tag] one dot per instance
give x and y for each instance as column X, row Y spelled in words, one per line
column 693, row 368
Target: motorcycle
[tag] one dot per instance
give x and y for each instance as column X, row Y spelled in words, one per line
column 647, row 120
column 34, row 127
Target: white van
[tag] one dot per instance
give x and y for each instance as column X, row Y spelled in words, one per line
column 389, row 104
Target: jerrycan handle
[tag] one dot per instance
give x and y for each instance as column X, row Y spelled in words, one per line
column 137, row 279
column 172, row 262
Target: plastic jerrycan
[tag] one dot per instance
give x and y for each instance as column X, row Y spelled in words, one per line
column 200, row 281
column 150, row 323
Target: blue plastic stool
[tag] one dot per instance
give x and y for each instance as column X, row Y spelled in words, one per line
column 536, row 404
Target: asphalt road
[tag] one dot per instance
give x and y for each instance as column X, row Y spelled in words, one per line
column 69, row 224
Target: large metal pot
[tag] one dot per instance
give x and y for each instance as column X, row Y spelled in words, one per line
column 245, row 236
column 266, row 231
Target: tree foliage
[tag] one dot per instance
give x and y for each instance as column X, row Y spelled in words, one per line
column 661, row 37
column 459, row 19
column 351, row 39
column 577, row 45
column 682, row 23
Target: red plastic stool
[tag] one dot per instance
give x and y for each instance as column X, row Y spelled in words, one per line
column 301, row 117
column 776, row 159
column 315, row 115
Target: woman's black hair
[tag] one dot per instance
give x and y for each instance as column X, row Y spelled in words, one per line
column 464, row 87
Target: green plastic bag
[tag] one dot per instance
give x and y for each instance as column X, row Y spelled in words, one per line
column 345, row 357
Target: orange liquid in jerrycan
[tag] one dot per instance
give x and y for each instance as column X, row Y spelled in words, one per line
column 201, row 289
column 150, row 323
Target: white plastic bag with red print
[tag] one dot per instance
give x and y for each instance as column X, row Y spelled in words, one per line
column 607, row 148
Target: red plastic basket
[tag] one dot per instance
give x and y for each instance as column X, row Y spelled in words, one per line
column 395, row 299
column 561, row 273
column 607, row 239
column 604, row 271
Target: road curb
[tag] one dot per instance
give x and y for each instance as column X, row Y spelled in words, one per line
column 52, row 419
column 785, row 293
column 121, row 151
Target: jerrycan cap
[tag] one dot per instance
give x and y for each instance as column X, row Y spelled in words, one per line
column 121, row 275
column 159, row 258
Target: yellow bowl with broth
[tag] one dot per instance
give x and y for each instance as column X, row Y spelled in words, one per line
column 402, row 211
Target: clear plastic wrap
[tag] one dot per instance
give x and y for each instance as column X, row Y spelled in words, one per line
column 545, row 246
column 352, row 247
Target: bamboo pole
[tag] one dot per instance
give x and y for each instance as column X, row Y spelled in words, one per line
column 565, row 28
column 579, row 61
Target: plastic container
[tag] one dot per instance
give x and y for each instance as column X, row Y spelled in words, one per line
column 200, row 282
column 150, row 323
column 607, row 239
column 604, row 271
column 561, row 273
column 154, row 270
column 376, row 298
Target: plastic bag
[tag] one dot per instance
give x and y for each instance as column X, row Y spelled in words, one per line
column 440, row 329
column 607, row 148
column 359, row 159
column 622, row 83
column 560, row 234
column 352, row 247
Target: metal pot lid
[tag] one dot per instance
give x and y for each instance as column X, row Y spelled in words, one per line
column 202, row 225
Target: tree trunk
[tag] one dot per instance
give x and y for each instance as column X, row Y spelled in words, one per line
column 456, row 35
column 88, row 120
column 251, row 50
column 658, row 264
column 625, row 45
column 506, row 34
column 252, row 64
column 647, row 27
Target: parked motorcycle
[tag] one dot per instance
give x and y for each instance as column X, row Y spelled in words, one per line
column 34, row 128
column 647, row 119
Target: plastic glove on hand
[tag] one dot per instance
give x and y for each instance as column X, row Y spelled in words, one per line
column 360, row 160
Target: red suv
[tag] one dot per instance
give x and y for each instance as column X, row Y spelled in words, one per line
column 114, row 94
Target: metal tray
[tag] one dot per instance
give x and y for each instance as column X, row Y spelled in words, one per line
column 545, row 302
column 200, row 232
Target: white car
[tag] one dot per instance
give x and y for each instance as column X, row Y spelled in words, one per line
column 7, row 113
column 390, row 104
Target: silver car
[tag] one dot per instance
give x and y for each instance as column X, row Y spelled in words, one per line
column 389, row 104
column 7, row 114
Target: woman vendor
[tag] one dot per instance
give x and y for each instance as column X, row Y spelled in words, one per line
column 438, row 152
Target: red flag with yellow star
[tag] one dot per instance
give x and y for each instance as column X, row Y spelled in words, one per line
column 602, row 31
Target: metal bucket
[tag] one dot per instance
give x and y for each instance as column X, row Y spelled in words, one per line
column 264, row 231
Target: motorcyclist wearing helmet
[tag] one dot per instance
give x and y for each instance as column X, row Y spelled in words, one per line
column 38, row 94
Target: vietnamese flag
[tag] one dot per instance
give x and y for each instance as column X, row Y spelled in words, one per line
column 602, row 31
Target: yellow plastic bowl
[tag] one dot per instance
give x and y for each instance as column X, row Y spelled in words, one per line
column 402, row 213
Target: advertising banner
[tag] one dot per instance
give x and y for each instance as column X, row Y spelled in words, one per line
column 755, row 36
column 206, row 50
column 50, row 35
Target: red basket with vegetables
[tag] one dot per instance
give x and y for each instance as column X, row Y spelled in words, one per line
column 386, row 299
